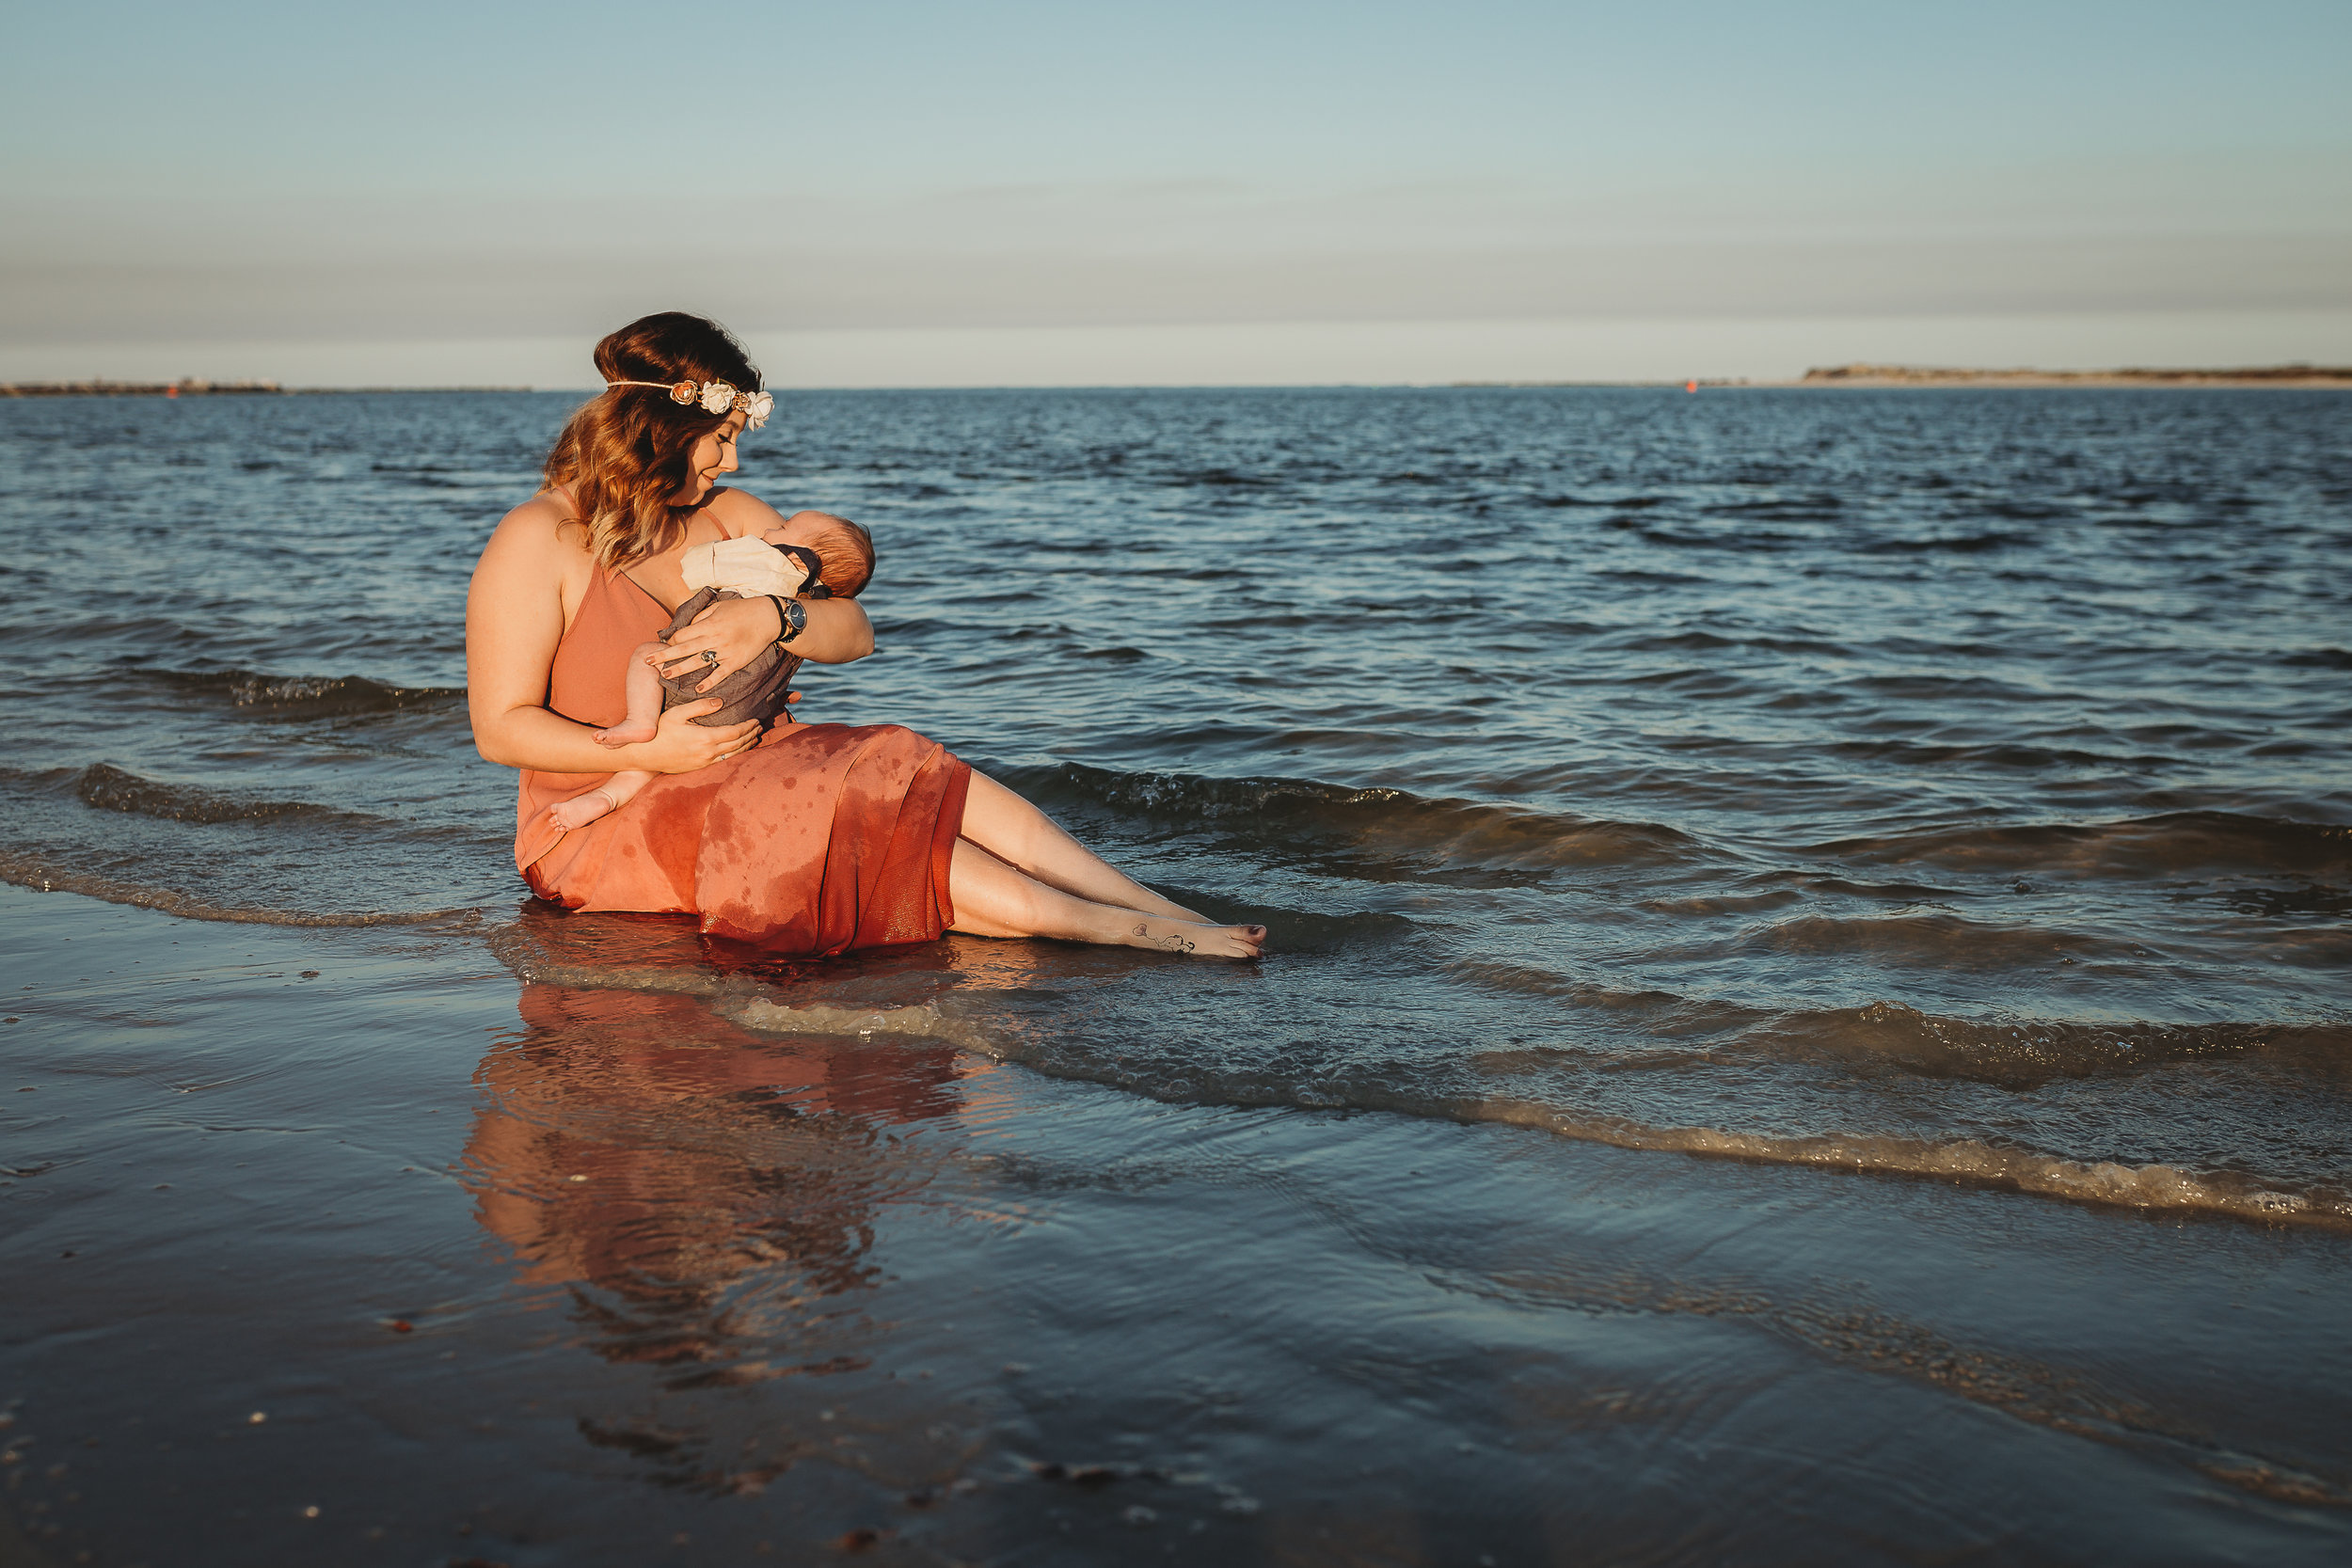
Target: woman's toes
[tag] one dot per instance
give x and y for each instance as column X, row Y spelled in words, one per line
column 1232, row 941
column 1218, row 942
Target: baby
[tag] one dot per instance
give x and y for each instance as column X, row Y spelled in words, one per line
column 821, row 557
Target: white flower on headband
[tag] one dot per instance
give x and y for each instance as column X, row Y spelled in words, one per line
column 714, row 397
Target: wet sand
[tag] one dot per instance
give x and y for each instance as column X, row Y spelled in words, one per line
column 350, row 1245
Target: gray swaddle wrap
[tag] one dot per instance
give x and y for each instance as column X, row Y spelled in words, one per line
column 758, row 691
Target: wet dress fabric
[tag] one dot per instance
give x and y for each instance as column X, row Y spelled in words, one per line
column 823, row 838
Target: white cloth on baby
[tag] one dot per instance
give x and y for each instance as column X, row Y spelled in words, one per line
column 745, row 566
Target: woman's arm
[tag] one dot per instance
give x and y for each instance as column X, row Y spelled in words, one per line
column 514, row 620
column 837, row 632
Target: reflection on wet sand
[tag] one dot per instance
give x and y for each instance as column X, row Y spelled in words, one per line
column 710, row 1196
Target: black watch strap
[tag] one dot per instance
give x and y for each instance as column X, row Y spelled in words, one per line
column 791, row 619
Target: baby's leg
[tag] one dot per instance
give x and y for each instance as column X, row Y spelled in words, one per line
column 644, row 699
column 614, row 793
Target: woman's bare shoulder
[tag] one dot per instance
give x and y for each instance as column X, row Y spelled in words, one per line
column 740, row 513
column 544, row 528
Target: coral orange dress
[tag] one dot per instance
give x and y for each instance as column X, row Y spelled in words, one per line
column 822, row 838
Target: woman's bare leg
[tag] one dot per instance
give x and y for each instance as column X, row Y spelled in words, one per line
column 1025, row 838
column 993, row 899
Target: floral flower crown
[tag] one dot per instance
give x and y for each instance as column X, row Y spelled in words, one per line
column 716, row 397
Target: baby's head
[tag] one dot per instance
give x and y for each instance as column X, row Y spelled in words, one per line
column 844, row 550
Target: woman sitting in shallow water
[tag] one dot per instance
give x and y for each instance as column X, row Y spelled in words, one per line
column 802, row 838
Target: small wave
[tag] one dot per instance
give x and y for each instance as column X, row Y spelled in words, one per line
column 41, row 875
column 2151, row 846
column 300, row 696
column 1650, row 534
column 1936, row 940
column 110, row 788
column 1822, row 504
column 1958, row 544
column 1950, row 689
column 665, row 959
column 2029, row 512
column 1383, row 832
column 1969, row 1160
column 2018, row 1052
column 1622, row 503
column 915, row 1021
column 2027, row 1053
column 2313, row 900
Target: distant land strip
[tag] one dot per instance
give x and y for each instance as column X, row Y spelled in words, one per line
column 1821, row 375
column 1933, row 375
column 1928, row 375
column 192, row 388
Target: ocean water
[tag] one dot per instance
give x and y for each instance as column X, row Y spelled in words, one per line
column 1809, row 1017
column 1923, row 781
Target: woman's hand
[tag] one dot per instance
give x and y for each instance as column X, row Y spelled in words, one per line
column 681, row 745
column 736, row 629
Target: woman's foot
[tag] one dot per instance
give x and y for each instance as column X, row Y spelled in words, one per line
column 581, row 810
column 1169, row 909
column 627, row 733
column 1197, row 938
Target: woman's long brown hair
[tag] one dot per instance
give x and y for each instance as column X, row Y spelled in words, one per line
column 624, row 454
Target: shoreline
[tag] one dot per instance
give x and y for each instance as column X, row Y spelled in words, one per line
column 387, row 1219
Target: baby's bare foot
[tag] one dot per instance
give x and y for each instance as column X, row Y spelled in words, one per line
column 581, row 810
column 1200, row 941
column 625, row 735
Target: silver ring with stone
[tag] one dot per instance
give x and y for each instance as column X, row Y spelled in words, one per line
column 710, row 655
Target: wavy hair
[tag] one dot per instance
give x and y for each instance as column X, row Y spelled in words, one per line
column 626, row 452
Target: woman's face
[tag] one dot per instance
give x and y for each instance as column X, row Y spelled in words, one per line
column 713, row 455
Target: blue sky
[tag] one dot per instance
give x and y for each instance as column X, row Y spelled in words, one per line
column 893, row 192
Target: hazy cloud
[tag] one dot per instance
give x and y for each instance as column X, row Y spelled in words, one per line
column 820, row 290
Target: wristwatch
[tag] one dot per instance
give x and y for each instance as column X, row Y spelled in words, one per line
column 791, row 619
